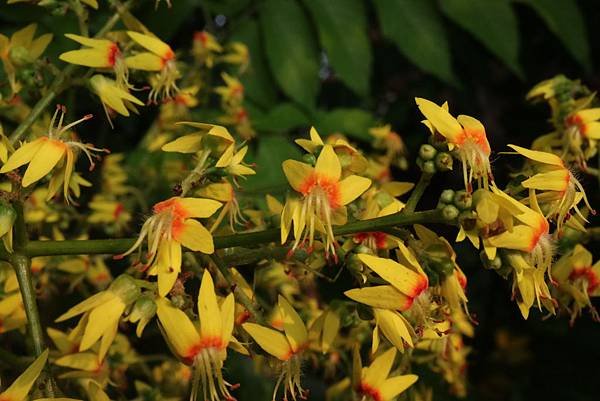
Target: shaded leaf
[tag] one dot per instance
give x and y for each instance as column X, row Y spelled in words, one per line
column 564, row 19
column 352, row 122
column 281, row 118
column 492, row 22
column 416, row 29
column 342, row 27
column 291, row 49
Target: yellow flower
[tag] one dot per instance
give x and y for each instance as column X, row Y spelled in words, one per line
column 287, row 347
column 99, row 53
column 238, row 54
column 21, row 49
column 113, row 97
column 170, row 227
column 224, row 192
column 564, row 190
column 393, row 326
column 406, row 283
column 232, row 94
column 160, row 58
column 47, row 152
column 324, row 196
column 12, row 311
column 392, row 143
column 19, row 389
column 374, row 383
column 465, row 134
column 102, row 313
column 105, row 210
column 324, row 330
column 204, row 48
column 204, row 348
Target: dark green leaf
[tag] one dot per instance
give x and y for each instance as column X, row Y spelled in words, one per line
column 281, row 118
column 416, row 28
column 565, row 20
column 342, row 27
column 352, row 122
column 492, row 22
column 258, row 84
column 291, row 49
column 272, row 151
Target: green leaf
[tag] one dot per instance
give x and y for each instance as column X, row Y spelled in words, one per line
column 281, row 118
column 258, row 84
column 416, row 29
column 352, row 122
column 342, row 27
column 564, row 19
column 493, row 23
column 291, row 49
column 272, row 151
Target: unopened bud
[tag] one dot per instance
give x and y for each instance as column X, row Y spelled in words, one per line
column 443, row 161
column 125, row 288
column 309, row 158
column 450, row 212
column 429, row 167
column 427, row 152
column 463, row 200
column 7, row 217
column 143, row 311
column 447, row 196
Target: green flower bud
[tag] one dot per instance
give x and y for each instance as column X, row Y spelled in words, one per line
column 443, row 161
column 20, row 55
column 143, row 311
column 429, row 167
column 463, row 200
column 427, row 152
column 309, row 158
column 450, row 212
column 447, row 196
column 125, row 288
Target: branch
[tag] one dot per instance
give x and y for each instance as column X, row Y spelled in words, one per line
column 417, row 192
column 118, row 246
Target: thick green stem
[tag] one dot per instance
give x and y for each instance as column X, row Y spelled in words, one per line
column 21, row 264
column 118, row 246
column 418, row 192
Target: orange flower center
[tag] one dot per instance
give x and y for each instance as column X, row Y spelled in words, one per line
column 113, row 54
column 323, row 187
column 586, row 273
column 367, row 390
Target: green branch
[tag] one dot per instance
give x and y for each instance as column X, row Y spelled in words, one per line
column 417, row 192
column 119, row 246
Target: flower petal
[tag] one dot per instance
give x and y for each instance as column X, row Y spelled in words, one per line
column 352, row 187
column 102, row 319
column 396, row 385
column 538, row 156
column 153, row 44
column 145, row 62
column 294, row 327
column 208, row 308
column 198, row 207
column 23, row 155
column 297, row 173
column 272, row 341
column 227, row 318
column 381, row 296
column 168, row 266
column 401, row 277
column 19, row 389
column 196, row 237
column 186, row 144
column 556, row 180
column 178, row 328
column 378, row 371
column 328, row 164
column 45, row 159
column 441, row 120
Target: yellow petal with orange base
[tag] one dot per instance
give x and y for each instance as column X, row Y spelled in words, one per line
column 227, row 318
column 208, row 308
column 93, row 58
column 90, row 42
column 556, row 180
column 296, row 173
column 198, row 207
column 352, row 187
column 23, row 155
column 381, row 296
column 178, row 328
column 293, row 326
column 271, row 341
column 402, row 278
column 87, row 361
column 394, row 327
column 153, row 44
column 191, row 143
column 441, row 120
column 589, row 115
column 84, row 306
column 145, row 62
column 19, row 389
column 328, row 164
column 520, row 238
column 195, row 237
column 102, row 320
column 378, row 371
column 395, row 386
column 538, row 156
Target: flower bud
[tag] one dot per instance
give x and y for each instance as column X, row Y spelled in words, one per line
column 125, row 288
column 447, row 196
column 450, row 212
column 309, row 158
column 443, row 161
column 463, row 200
column 20, row 55
column 427, row 152
column 428, row 167
column 143, row 311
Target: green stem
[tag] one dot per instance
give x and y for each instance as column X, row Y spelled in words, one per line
column 417, row 192
column 57, row 86
column 119, row 246
column 21, row 264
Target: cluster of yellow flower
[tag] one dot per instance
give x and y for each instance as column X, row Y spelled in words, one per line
column 403, row 291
